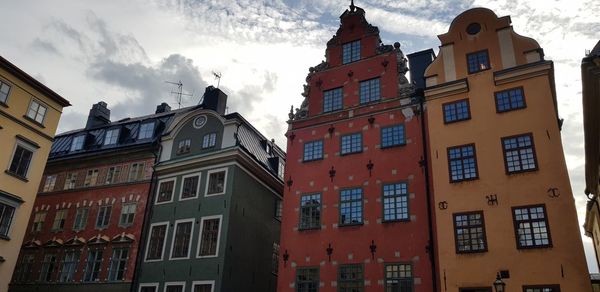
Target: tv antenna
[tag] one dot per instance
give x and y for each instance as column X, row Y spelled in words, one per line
column 179, row 93
column 218, row 77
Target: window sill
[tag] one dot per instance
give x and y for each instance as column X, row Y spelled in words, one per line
column 3, row 104
column 16, row 176
column 479, row 71
column 509, row 110
column 395, row 220
column 350, row 153
column 125, row 225
column 534, row 247
column 463, row 180
column 357, row 224
column 4, row 237
column 309, row 228
column 471, row 252
column 521, row 171
column 34, row 121
column 456, row 121
column 393, row 146
column 311, row 160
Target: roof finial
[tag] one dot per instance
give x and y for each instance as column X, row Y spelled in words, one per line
column 352, row 7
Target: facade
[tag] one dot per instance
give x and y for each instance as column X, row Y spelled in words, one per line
column 502, row 198
column 215, row 213
column 85, row 229
column 29, row 114
column 590, row 76
column 355, row 215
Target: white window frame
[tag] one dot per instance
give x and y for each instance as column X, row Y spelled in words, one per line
column 167, row 284
column 83, row 222
column 104, row 215
column 206, row 194
column 162, row 254
column 199, row 175
column 63, row 216
column 220, row 217
column 112, row 136
column 209, row 140
column 174, row 180
column 148, row 285
column 140, row 130
column 71, row 149
column 171, row 258
column 211, row 282
column 121, row 224
column 26, row 146
column 36, row 219
column 49, row 183
column 72, row 182
column 40, row 104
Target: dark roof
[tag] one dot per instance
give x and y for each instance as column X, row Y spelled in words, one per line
column 14, row 70
column 596, row 50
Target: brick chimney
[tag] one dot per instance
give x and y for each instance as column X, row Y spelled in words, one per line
column 99, row 116
column 162, row 108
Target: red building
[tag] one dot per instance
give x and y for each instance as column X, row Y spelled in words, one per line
column 355, row 211
column 86, row 224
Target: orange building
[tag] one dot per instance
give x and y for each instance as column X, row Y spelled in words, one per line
column 503, row 202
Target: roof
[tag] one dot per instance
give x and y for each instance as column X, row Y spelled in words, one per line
column 14, row 70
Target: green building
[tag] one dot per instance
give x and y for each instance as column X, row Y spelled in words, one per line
column 214, row 220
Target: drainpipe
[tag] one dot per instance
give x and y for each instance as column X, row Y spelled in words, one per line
column 147, row 214
column 428, row 192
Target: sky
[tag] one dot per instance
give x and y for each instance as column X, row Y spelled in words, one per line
column 126, row 52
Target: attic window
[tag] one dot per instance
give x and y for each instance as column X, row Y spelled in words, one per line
column 146, row 130
column 473, row 28
column 77, row 143
column 111, row 137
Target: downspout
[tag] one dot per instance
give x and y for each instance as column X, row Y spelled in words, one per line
column 425, row 163
column 147, row 215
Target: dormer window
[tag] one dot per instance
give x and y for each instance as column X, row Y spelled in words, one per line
column 146, row 130
column 351, row 52
column 77, row 143
column 111, row 137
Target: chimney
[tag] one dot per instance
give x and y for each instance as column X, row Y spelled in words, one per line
column 99, row 116
column 162, row 108
column 418, row 62
column 215, row 99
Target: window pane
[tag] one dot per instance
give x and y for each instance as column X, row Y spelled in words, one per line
column 395, row 202
column 332, row 100
column 351, row 206
column 478, row 61
column 156, row 243
column 463, row 163
column 310, row 211
column 519, row 154
column 209, row 237
column 392, row 136
column 20, row 161
column 532, row 227
column 190, row 187
column 351, row 143
column 216, row 182
column 313, row 150
column 6, row 216
column 369, row 90
column 165, row 191
column 456, row 111
column 351, row 52
column 181, row 243
column 469, row 232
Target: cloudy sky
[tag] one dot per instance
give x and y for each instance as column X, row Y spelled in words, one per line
column 123, row 52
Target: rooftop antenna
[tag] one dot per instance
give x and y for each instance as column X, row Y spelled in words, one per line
column 179, row 93
column 218, row 77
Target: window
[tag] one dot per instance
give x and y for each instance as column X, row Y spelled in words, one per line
column 216, row 182
column 392, row 136
column 209, row 140
column 91, row 178
column 49, row 183
column 111, row 137
column 351, row 206
column 332, row 100
column 68, row 267
column 519, row 155
column 478, row 61
column 398, row 278
column 77, row 143
column 112, row 175
column 313, row 150
column 350, row 278
column 146, row 130
column 174, row 286
column 531, row 227
column 462, row 163
column 310, row 211
column 456, row 111
column 25, row 268
column 136, row 171
column 369, row 90
column 541, row 288
column 80, row 219
column 307, row 279
column 278, row 209
column 510, row 99
column 48, row 266
column 275, row 258
column 156, row 243
column 351, row 52
column 281, row 168
column 70, row 181
column 59, row 220
column 203, row 286
column 6, row 216
column 118, row 264
column 184, row 146
column 182, row 239
column 36, row 111
column 38, row 221
column 395, row 202
column 189, row 190
column 165, row 191
column 209, row 236
column 103, row 217
column 127, row 214
column 20, row 161
column 4, row 91
column 469, row 232
column 351, row 143
column 92, row 265
column 149, row 287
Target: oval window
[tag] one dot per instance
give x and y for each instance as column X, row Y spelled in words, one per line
column 473, row 28
column 199, row 122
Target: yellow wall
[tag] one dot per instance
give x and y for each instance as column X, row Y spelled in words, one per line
column 16, row 107
column 564, row 262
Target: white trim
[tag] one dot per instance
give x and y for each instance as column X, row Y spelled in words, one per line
column 146, row 260
column 173, row 239
column 211, row 282
column 167, row 284
column 206, row 194
column 199, row 175
column 174, row 180
column 192, row 171
column 218, row 236
column 145, row 285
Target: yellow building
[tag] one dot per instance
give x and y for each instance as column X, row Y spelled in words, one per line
column 29, row 114
column 503, row 201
